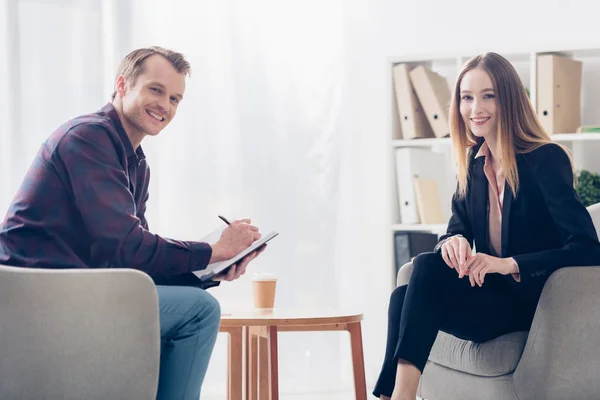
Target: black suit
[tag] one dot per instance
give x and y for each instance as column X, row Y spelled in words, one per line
column 545, row 227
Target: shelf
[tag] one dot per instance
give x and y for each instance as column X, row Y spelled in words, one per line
column 513, row 56
column 430, row 142
column 436, row 228
column 574, row 137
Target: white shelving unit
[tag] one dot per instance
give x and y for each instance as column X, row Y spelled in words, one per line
column 432, row 142
column 435, row 228
column 585, row 147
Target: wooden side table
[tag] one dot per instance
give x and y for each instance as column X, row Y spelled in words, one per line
column 235, row 361
column 260, row 329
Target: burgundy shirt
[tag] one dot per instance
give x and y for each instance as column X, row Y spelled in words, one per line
column 82, row 205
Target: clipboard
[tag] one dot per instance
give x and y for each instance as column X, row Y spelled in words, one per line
column 216, row 268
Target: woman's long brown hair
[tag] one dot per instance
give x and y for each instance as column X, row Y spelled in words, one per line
column 519, row 130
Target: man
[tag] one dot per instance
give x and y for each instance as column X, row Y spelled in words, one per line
column 82, row 205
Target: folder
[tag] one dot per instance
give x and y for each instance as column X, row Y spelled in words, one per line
column 433, row 92
column 412, row 117
column 559, row 93
column 396, row 126
column 414, row 163
column 429, row 204
column 408, row 245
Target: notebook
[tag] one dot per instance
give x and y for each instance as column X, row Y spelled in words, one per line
column 215, row 268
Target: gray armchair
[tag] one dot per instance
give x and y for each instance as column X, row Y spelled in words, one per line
column 78, row 334
column 558, row 359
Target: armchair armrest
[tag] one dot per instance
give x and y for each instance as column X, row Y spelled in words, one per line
column 404, row 274
column 561, row 359
column 71, row 334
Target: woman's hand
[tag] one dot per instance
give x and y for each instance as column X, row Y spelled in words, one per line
column 481, row 264
column 456, row 251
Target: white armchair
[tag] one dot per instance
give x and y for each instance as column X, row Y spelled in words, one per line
column 558, row 359
column 78, row 334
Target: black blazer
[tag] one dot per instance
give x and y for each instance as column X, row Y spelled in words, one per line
column 544, row 228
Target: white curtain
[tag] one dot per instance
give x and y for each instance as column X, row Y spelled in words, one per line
column 270, row 128
column 255, row 136
column 51, row 71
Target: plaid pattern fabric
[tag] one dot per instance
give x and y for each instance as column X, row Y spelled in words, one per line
column 82, row 205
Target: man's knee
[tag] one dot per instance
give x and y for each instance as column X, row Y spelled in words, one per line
column 207, row 308
column 198, row 308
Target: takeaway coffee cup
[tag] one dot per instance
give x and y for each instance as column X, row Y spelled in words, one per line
column 263, row 287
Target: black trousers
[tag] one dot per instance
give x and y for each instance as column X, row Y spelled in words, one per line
column 436, row 299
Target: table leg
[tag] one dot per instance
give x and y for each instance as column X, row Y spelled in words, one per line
column 263, row 368
column 273, row 362
column 235, row 360
column 358, row 360
column 251, row 363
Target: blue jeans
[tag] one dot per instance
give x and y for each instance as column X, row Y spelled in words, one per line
column 189, row 323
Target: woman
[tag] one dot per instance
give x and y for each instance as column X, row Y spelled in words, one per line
column 516, row 201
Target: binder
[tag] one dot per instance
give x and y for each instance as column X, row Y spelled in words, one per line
column 429, row 204
column 412, row 117
column 396, row 126
column 433, row 92
column 414, row 163
column 408, row 245
column 559, row 93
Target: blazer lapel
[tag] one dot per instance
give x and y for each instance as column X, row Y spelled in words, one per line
column 479, row 202
column 506, row 204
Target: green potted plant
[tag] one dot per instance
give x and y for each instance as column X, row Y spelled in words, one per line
column 588, row 187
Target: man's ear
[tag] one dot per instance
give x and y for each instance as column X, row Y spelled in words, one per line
column 121, row 86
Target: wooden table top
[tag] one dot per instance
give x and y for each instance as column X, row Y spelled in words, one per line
column 290, row 317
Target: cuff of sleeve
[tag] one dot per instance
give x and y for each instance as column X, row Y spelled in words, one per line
column 438, row 246
column 529, row 267
column 201, row 253
column 516, row 275
column 187, row 279
column 209, row 284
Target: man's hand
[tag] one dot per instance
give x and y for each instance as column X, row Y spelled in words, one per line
column 456, row 251
column 481, row 264
column 235, row 238
column 239, row 269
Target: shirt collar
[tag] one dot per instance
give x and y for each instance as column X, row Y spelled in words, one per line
column 484, row 151
column 110, row 111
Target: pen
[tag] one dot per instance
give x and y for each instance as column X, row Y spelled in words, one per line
column 224, row 220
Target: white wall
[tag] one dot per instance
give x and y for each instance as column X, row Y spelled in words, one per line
column 6, row 12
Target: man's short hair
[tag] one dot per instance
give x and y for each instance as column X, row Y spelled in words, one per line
column 132, row 65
